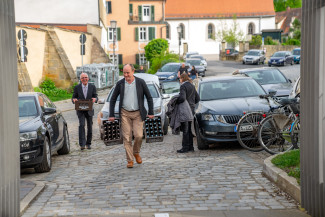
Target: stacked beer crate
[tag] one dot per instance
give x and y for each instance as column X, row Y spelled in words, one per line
column 153, row 130
column 112, row 132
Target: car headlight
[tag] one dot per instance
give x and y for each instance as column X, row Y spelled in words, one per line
column 281, row 60
column 171, row 77
column 207, row 117
column 27, row 136
column 220, row 118
column 157, row 110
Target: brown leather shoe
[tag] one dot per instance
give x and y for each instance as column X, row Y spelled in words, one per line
column 138, row 158
column 130, row 164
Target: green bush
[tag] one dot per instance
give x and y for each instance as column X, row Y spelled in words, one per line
column 269, row 41
column 48, row 88
column 159, row 60
column 256, row 40
column 293, row 41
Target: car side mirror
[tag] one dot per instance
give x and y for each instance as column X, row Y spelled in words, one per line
column 48, row 111
column 165, row 96
column 272, row 92
column 101, row 101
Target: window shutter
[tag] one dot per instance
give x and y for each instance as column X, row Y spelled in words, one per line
column 152, row 13
column 137, row 59
column 119, row 34
column 131, row 9
column 120, row 59
column 140, row 12
column 151, row 33
column 136, row 33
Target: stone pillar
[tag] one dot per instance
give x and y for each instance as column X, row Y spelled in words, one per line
column 246, row 47
column 241, row 47
column 9, row 128
column 223, row 46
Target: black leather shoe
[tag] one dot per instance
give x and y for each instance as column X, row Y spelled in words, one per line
column 191, row 149
column 82, row 148
column 88, row 147
column 182, row 150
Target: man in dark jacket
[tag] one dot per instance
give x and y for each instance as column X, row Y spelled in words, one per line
column 85, row 91
column 132, row 91
column 187, row 92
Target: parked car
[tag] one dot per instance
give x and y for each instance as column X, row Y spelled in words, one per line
column 42, row 131
column 281, row 58
column 231, row 52
column 296, row 55
column 203, row 60
column 254, row 57
column 170, row 89
column 198, row 66
column 223, row 100
column 168, row 72
column 158, row 102
column 270, row 79
column 189, row 54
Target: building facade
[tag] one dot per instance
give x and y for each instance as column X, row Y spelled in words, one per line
column 200, row 22
column 138, row 22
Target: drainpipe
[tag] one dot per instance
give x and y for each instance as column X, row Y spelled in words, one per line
column 260, row 24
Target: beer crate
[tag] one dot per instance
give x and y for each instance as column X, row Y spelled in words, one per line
column 84, row 105
column 112, row 133
column 153, row 130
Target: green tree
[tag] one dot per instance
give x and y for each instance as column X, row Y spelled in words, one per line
column 281, row 5
column 256, row 40
column 296, row 29
column 161, row 59
column 269, row 41
column 154, row 48
column 232, row 35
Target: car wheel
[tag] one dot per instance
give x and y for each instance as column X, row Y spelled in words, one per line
column 66, row 143
column 46, row 163
column 243, row 62
column 201, row 144
column 203, row 75
column 165, row 127
column 269, row 65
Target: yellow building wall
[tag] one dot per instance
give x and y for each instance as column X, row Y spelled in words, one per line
column 71, row 44
column 128, row 46
column 35, row 44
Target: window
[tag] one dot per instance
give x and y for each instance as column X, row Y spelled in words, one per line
column 210, row 31
column 108, row 7
column 167, row 31
column 182, row 31
column 110, row 34
column 143, row 33
column 117, row 34
column 251, row 29
column 142, row 59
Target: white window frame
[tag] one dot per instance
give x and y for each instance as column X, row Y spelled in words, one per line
column 116, row 58
column 142, row 59
column 149, row 12
column 110, row 34
column 143, row 30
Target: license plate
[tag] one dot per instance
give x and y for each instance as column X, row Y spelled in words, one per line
column 246, row 128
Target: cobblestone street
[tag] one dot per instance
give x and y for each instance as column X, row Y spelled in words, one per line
column 97, row 182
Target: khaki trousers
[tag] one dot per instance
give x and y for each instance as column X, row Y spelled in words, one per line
column 131, row 123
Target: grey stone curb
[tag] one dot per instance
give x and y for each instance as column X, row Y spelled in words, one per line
column 24, row 203
column 281, row 179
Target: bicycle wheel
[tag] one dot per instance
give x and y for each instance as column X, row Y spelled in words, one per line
column 273, row 139
column 295, row 134
column 247, row 129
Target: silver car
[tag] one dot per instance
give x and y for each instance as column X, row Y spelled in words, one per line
column 203, row 60
column 254, row 57
column 152, row 82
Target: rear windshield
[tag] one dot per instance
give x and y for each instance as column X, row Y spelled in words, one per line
column 296, row 52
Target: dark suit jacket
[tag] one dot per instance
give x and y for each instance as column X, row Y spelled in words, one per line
column 142, row 90
column 78, row 94
column 187, row 92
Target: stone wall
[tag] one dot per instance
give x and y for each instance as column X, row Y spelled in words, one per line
column 98, row 54
column 24, row 82
column 271, row 49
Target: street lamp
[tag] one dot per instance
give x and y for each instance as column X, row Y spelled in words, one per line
column 179, row 30
column 113, row 26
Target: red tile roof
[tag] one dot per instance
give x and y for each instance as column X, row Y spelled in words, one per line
column 288, row 16
column 217, row 8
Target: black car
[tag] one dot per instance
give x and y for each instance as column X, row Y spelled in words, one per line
column 42, row 131
column 281, row 58
column 270, row 79
column 223, row 101
column 169, row 71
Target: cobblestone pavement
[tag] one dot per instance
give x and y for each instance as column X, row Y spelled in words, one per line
column 97, row 182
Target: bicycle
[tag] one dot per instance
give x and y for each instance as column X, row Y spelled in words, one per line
column 276, row 131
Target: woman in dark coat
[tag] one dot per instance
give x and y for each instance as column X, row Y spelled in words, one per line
column 194, row 74
column 187, row 92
